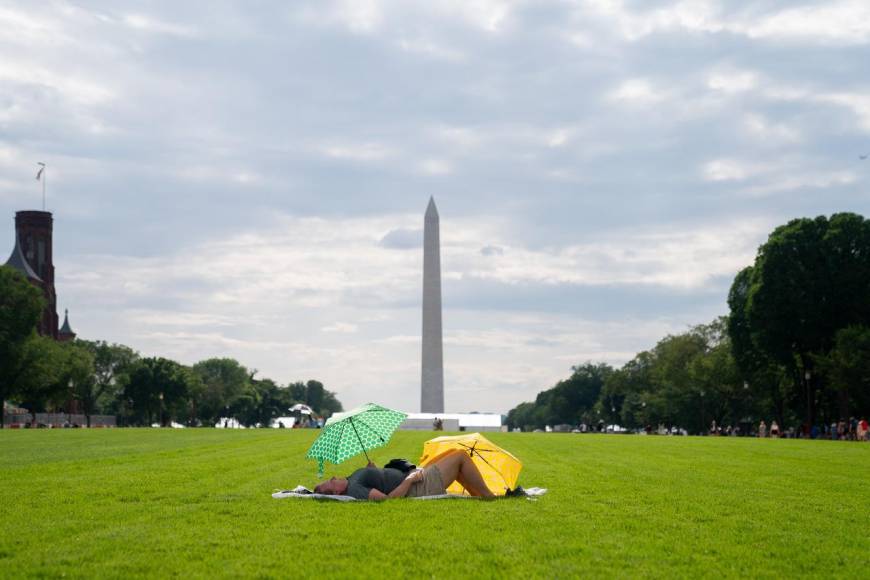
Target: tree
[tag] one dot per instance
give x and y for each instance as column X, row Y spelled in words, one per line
column 809, row 280
column 155, row 386
column 224, row 380
column 297, row 392
column 78, row 373
column 684, row 380
column 111, row 366
column 41, row 379
column 271, row 403
column 847, row 370
column 314, row 391
column 628, row 387
column 21, row 305
column 568, row 402
column 521, row 416
column 315, row 395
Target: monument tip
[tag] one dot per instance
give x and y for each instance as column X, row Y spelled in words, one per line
column 431, row 207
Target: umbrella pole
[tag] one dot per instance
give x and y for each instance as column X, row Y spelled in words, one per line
column 358, row 439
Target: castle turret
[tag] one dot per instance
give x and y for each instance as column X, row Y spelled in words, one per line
column 33, row 234
column 66, row 332
column 17, row 261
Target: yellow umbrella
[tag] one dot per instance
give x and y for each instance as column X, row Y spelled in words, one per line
column 498, row 467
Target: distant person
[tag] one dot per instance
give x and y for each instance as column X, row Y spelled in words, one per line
column 762, row 429
column 859, row 430
column 864, row 429
column 774, row 429
column 377, row 484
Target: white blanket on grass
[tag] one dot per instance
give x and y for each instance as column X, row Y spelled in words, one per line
column 302, row 492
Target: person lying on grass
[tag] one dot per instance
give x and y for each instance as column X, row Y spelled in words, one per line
column 377, row 484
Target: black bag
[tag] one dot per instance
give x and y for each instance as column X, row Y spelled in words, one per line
column 402, row 465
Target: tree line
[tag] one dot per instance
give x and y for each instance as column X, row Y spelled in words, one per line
column 795, row 347
column 40, row 374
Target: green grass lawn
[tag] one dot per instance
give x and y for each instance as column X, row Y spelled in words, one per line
column 197, row 502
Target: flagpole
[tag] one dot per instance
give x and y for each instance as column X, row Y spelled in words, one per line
column 42, row 176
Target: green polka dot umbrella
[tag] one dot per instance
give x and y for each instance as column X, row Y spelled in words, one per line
column 348, row 434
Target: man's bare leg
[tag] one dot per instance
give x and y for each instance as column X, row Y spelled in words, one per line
column 457, row 466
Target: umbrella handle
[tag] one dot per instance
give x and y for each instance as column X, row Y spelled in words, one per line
column 360, row 440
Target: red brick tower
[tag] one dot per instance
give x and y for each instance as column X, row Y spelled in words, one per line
column 33, row 232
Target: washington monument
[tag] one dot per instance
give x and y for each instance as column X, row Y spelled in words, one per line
column 432, row 382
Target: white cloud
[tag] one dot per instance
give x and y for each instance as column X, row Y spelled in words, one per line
column 361, row 16
column 150, row 24
column 732, row 81
column 637, row 91
column 769, row 133
column 801, row 180
column 344, row 327
column 435, row 167
column 488, row 15
column 77, row 89
column 759, row 179
column 695, row 15
column 841, row 22
column 431, row 49
column 558, row 138
column 859, row 103
column 730, row 170
column 682, row 259
column 457, row 136
column 361, row 152
column 833, row 22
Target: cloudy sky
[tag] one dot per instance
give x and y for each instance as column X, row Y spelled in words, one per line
column 249, row 179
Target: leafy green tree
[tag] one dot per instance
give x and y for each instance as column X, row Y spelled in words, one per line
column 297, row 392
column 769, row 381
column 224, row 380
column 78, row 373
column 809, row 280
column 195, row 393
column 156, row 385
column 847, row 370
column 315, row 395
column 271, row 402
column 329, row 405
column 521, row 416
column 112, row 364
column 565, row 403
column 21, row 306
column 314, row 391
column 628, row 388
column 42, row 378
column 715, row 374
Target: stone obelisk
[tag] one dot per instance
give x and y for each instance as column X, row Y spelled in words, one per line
column 432, row 383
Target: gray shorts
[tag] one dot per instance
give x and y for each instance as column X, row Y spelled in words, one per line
column 431, row 484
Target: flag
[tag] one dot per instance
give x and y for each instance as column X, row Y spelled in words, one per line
column 39, row 173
